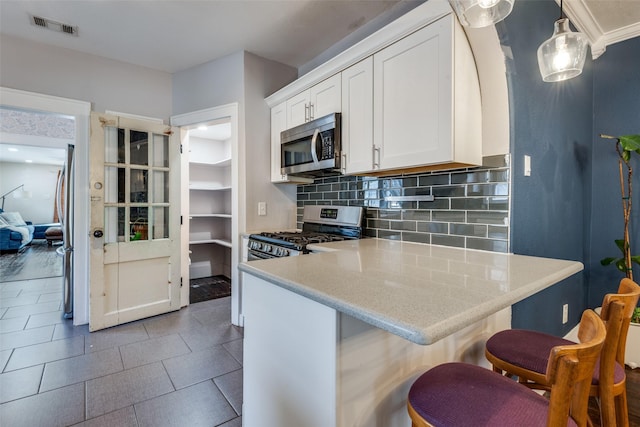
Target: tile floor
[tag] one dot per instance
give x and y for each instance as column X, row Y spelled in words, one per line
column 178, row 369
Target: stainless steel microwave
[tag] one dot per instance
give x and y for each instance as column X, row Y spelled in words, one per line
column 313, row 148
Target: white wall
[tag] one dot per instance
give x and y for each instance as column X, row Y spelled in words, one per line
column 107, row 84
column 40, row 180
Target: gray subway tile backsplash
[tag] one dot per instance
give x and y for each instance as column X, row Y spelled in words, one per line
column 470, row 210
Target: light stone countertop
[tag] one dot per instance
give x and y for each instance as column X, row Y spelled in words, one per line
column 420, row 292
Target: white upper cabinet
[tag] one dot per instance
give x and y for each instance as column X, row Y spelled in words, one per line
column 326, row 97
column 318, row 101
column 357, row 117
column 415, row 110
column 412, row 95
column 298, row 109
column 409, row 97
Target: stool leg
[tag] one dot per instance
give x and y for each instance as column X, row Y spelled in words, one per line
column 622, row 412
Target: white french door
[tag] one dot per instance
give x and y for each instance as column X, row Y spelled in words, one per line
column 134, row 176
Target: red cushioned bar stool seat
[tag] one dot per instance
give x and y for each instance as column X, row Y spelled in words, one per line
column 462, row 395
column 525, row 354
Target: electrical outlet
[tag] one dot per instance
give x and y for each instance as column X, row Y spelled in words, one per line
column 565, row 313
column 262, row 208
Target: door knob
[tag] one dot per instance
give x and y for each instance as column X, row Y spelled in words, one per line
column 98, row 234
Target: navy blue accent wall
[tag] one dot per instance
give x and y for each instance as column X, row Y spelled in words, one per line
column 616, row 96
column 552, row 123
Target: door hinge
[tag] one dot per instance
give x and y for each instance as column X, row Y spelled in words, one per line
column 181, row 282
column 180, row 219
column 180, row 148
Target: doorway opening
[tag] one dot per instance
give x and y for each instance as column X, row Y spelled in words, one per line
column 32, row 161
column 78, row 111
column 208, row 150
column 211, row 116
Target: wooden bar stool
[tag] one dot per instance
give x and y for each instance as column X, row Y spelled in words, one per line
column 459, row 394
column 525, row 354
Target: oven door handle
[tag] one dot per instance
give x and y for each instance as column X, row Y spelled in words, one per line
column 314, row 142
column 255, row 256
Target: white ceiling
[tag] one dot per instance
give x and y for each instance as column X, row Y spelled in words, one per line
column 604, row 22
column 29, row 154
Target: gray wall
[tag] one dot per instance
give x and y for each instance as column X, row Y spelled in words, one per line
column 212, row 84
column 262, row 78
column 616, row 100
column 107, row 84
column 247, row 79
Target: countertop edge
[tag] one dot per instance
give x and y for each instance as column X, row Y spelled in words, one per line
column 417, row 335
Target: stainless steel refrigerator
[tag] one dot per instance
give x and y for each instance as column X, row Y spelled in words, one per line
column 65, row 199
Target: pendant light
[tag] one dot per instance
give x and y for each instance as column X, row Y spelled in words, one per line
column 481, row 13
column 562, row 56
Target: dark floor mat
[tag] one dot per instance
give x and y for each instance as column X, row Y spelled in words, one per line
column 207, row 288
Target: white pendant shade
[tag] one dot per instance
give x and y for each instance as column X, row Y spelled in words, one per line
column 562, row 56
column 481, row 13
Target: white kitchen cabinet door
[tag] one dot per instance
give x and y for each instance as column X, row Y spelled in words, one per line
column 325, row 97
column 278, row 124
column 298, row 109
column 320, row 100
column 413, row 94
column 357, row 117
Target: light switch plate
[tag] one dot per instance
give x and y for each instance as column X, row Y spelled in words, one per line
column 262, row 208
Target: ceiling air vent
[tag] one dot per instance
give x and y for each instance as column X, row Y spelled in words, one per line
column 54, row 25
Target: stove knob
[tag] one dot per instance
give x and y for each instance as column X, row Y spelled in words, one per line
column 267, row 248
column 279, row 252
column 285, row 252
column 259, row 246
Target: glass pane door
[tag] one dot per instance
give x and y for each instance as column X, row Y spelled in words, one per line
column 136, row 185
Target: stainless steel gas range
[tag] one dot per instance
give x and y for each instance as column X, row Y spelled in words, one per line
column 321, row 224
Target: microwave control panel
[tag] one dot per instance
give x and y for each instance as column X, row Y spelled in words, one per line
column 326, row 144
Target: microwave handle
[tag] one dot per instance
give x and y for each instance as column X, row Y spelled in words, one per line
column 314, row 141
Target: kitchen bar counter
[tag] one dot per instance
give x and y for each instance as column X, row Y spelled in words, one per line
column 336, row 338
column 419, row 292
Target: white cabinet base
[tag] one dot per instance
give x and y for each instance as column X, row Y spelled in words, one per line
column 307, row 364
column 288, row 358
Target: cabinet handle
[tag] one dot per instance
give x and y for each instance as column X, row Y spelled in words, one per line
column 307, row 113
column 311, row 112
column 344, row 163
column 376, row 165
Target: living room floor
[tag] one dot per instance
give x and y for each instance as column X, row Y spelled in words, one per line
column 178, row 369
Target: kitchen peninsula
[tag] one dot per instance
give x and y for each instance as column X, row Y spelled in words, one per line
column 335, row 338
